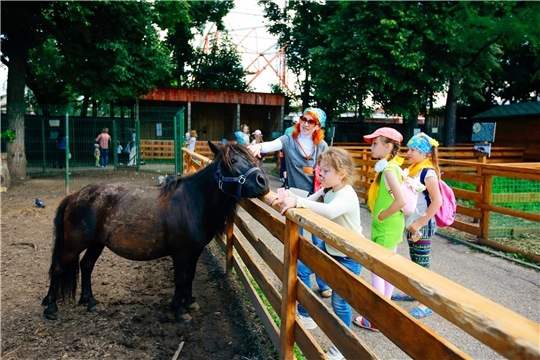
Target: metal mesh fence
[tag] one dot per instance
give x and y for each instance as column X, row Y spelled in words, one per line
column 514, row 194
column 154, row 152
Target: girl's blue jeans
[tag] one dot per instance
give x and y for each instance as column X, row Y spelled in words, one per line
column 341, row 308
column 320, row 244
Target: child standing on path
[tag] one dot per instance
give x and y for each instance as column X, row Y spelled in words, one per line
column 119, row 151
column 385, row 202
column 96, row 154
column 421, row 225
column 341, row 206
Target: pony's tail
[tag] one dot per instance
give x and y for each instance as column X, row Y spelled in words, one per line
column 70, row 273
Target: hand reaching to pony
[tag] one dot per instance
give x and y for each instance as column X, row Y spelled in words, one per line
column 288, row 202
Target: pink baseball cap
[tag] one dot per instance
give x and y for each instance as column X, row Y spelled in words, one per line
column 257, row 132
column 387, row 132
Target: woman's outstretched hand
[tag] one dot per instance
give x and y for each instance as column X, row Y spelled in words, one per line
column 255, row 150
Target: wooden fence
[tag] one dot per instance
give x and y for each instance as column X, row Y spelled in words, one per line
column 463, row 166
column 510, row 334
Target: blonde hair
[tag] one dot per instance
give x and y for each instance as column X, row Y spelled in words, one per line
column 341, row 161
column 193, row 133
column 393, row 153
column 435, row 160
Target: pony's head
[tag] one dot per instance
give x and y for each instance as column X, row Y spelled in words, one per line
column 237, row 173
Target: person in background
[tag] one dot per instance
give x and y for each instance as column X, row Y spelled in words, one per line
column 245, row 133
column 301, row 149
column 258, row 139
column 104, row 139
column 385, row 203
column 96, row 154
column 119, row 151
column 61, row 154
column 133, row 148
column 421, row 225
column 339, row 204
column 192, row 140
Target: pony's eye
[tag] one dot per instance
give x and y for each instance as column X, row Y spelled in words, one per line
column 233, row 160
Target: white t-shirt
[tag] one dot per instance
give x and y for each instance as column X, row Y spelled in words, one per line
column 341, row 207
column 421, row 204
column 192, row 142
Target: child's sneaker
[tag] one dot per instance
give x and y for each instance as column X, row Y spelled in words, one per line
column 334, row 354
column 307, row 321
column 363, row 322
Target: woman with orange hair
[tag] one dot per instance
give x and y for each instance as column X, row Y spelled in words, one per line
column 301, row 149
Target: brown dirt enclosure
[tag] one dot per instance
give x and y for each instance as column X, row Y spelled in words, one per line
column 133, row 320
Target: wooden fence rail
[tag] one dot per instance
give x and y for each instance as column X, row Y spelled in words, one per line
column 510, row 334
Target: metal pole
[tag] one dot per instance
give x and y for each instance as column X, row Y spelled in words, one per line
column 43, row 151
column 114, row 144
column 178, row 140
column 67, row 153
column 138, row 138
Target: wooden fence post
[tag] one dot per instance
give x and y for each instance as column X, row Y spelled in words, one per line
column 229, row 256
column 487, row 190
column 288, row 293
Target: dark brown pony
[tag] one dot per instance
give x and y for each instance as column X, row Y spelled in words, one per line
column 145, row 223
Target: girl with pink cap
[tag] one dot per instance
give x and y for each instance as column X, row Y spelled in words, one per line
column 385, row 202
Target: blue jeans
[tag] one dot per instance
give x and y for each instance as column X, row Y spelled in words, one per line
column 341, row 308
column 104, row 157
column 320, row 244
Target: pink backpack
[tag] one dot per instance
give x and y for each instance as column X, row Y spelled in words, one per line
column 410, row 189
column 447, row 212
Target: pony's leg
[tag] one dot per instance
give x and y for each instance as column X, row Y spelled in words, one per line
column 87, row 266
column 187, row 291
column 180, row 264
column 63, row 273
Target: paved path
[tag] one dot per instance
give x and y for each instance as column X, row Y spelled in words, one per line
column 504, row 282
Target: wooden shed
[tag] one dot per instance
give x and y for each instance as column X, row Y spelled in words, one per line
column 517, row 125
column 217, row 114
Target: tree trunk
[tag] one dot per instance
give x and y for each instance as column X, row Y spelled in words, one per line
column 16, row 107
column 410, row 123
column 450, row 113
column 84, row 110
column 305, row 92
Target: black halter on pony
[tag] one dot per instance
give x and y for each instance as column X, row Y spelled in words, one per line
column 220, row 179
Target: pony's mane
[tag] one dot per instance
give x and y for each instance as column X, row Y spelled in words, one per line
column 224, row 157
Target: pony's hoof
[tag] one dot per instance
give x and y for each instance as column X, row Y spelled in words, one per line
column 51, row 309
column 183, row 318
column 193, row 307
column 96, row 308
column 91, row 303
column 50, row 317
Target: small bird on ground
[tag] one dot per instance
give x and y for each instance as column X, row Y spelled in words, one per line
column 39, row 203
column 161, row 179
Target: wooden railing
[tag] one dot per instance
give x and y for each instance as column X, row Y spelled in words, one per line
column 461, row 165
column 510, row 334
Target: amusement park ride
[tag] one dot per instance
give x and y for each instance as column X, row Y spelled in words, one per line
column 272, row 60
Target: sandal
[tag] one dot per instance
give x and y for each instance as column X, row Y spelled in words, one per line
column 402, row 297
column 363, row 322
column 418, row 313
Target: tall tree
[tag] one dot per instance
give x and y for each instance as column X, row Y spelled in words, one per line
column 219, row 69
column 23, row 27
column 179, row 19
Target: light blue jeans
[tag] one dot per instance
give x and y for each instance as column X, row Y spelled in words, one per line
column 341, row 308
column 320, row 244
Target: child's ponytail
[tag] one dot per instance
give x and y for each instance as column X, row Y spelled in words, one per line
column 435, row 160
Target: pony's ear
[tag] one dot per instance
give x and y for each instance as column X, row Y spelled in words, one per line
column 214, row 148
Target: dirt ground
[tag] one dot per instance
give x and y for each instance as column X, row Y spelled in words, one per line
column 133, row 320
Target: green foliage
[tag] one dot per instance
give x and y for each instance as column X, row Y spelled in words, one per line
column 9, row 135
column 220, row 69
